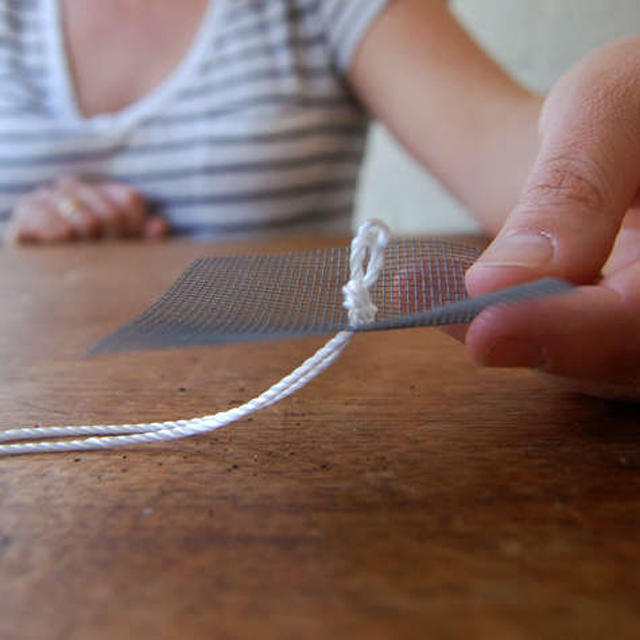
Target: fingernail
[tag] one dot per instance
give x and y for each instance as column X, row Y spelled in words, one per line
column 519, row 250
column 511, row 352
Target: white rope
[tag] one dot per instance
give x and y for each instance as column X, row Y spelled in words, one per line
column 369, row 242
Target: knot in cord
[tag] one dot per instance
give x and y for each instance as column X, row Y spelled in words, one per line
column 370, row 242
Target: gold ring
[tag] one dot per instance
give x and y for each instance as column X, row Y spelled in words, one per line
column 68, row 208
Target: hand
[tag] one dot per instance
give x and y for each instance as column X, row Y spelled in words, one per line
column 576, row 220
column 72, row 209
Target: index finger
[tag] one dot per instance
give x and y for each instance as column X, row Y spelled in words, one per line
column 583, row 181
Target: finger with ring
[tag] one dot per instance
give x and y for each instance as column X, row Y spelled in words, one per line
column 69, row 208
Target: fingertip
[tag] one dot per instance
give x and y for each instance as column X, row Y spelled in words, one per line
column 155, row 228
column 124, row 195
column 513, row 352
column 488, row 327
column 481, row 279
column 456, row 331
column 514, row 257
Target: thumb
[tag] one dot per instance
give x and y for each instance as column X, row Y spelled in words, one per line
column 583, row 181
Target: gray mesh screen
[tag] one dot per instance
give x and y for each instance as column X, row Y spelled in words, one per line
column 249, row 298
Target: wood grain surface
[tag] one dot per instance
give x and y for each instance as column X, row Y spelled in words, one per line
column 404, row 494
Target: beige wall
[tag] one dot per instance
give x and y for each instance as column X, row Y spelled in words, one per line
column 536, row 40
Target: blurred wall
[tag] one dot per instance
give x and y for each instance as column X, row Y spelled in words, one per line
column 536, row 40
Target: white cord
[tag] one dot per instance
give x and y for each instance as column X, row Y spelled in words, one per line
column 370, row 242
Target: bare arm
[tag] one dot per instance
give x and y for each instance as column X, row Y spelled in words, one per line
column 449, row 104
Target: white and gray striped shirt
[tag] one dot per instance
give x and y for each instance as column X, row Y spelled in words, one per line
column 256, row 128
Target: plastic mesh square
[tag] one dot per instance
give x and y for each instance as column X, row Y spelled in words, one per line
column 249, row 298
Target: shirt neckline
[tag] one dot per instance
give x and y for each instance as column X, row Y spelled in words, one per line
column 148, row 104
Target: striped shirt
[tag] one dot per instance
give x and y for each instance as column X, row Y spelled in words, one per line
column 256, row 128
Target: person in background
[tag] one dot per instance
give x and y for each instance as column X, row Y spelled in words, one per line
column 213, row 117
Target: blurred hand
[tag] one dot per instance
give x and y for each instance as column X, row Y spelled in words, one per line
column 72, row 209
column 575, row 220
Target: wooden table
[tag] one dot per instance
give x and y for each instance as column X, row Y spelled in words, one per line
column 404, row 494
